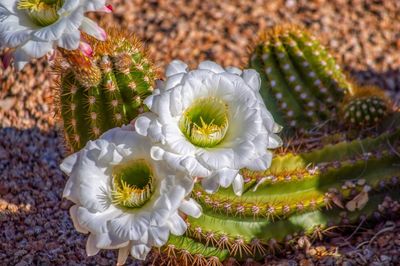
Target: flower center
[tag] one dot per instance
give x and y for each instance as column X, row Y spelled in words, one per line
column 132, row 184
column 205, row 122
column 42, row 12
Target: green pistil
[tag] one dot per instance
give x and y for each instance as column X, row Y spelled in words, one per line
column 205, row 123
column 42, row 12
column 132, row 184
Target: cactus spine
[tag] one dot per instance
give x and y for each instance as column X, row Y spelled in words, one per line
column 103, row 91
column 324, row 177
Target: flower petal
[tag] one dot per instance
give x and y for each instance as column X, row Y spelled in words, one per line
column 226, row 176
column 123, row 255
column 21, row 58
column 68, row 163
column 96, row 221
column 51, row 32
column 238, row 183
column 173, row 81
column 130, row 227
column 210, row 184
column 140, row 251
column 233, row 70
column 69, row 5
column 73, row 212
column 36, row 49
column 252, row 78
column 14, row 38
column 91, row 28
column 158, row 235
column 91, row 248
column 176, row 67
column 191, row 207
column 69, row 41
column 212, row 66
column 177, row 225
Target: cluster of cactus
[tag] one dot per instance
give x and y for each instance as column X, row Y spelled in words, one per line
column 105, row 90
column 324, row 175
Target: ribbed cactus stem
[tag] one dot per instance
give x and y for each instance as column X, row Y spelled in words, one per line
column 104, row 91
column 301, row 81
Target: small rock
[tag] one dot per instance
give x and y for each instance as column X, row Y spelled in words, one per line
column 7, row 103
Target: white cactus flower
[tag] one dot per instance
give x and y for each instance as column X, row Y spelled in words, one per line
column 124, row 198
column 210, row 122
column 34, row 28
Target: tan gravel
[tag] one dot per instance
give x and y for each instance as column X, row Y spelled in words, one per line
column 35, row 228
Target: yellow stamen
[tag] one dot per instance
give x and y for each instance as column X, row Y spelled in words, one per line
column 132, row 184
column 42, row 12
column 205, row 123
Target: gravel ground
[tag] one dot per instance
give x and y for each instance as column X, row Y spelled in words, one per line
column 35, row 228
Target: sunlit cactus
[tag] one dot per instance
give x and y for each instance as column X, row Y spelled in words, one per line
column 301, row 81
column 324, row 178
column 105, row 90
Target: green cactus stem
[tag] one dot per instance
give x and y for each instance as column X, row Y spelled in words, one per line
column 214, row 237
column 301, row 81
column 104, row 91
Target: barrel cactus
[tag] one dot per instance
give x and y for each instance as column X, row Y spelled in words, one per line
column 326, row 174
column 365, row 107
column 105, row 90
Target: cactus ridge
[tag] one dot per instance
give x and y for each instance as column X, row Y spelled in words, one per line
column 302, row 81
column 104, row 91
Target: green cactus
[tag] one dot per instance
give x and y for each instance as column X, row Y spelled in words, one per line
column 324, row 177
column 104, row 91
column 327, row 175
column 365, row 107
column 301, row 80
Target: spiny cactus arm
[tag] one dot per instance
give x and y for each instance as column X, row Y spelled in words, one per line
column 322, row 63
column 305, row 162
column 299, row 195
column 238, row 235
column 73, row 112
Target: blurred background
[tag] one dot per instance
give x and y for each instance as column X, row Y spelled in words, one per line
column 35, row 228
